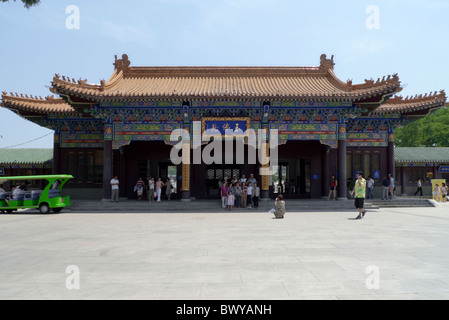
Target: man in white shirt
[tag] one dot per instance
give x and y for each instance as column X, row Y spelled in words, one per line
column 249, row 195
column 370, row 188
column 114, row 189
column 252, row 180
column 392, row 186
column 419, row 186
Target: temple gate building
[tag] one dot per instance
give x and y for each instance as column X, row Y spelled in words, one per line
column 122, row 126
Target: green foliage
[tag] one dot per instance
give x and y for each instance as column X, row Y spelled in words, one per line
column 431, row 131
column 26, row 3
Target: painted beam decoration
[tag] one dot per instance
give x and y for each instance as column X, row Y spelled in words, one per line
column 123, row 122
column 81, row 140
column 144, row 131
column 124, row 133
column 305, row 131
column 367, row 139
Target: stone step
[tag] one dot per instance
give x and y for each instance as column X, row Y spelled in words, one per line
column 126, row 205
column 403, row 202
column 209, row 206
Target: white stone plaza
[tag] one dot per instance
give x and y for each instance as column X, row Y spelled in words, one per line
column 393, row 253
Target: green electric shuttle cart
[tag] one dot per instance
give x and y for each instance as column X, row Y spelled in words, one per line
column 50, row 198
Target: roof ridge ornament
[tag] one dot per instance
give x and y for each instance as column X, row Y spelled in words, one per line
column 326, row 64
column 122, row 64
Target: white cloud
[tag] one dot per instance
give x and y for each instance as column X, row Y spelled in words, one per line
column 142, row 34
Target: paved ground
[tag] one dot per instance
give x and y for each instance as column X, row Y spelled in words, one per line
column 237, row 255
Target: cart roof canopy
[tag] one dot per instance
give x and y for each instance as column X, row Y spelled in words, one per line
column 43, row 177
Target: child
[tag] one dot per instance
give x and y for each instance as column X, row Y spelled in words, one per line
column 230, row 201
column 437, row 193
column 249, row 194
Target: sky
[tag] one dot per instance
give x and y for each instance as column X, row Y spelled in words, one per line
column 369, row 39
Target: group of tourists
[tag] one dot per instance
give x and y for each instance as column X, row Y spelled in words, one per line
column 239, row 193
column 245, row 193
column 388, row 188
column 440, row 192
column 152, row 191
column 15, row 191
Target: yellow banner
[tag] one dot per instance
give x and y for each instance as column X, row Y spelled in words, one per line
column 437, row 194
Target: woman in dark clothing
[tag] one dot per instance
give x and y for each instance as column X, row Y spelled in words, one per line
column 333, row 188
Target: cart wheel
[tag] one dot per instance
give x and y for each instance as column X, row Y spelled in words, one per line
column 9, row 211
column 44, row 208
column 57, row 210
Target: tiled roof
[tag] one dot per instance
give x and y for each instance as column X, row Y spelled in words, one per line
column 413, row 104
column 291, row 83
column 35, row 104
column 421, row 154
column 25, row 156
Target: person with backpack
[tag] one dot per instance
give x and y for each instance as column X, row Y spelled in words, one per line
column 385, row 189
column 139, row 188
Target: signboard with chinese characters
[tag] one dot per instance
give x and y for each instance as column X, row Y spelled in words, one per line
column 443, row 169
column 225, row 126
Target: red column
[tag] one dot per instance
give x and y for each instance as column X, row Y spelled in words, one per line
column 342, row 183
column 325, row 171
column 107, row 163
column 390, row 164
column 403, row 182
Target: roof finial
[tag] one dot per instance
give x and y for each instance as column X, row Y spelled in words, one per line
column 326, row 64
column 122, row 64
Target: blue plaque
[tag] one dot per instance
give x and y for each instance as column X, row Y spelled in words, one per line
column 225, row 126
column 443, row 169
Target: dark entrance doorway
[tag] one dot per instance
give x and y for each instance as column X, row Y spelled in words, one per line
column 292, row 178
column 218, row 172
column 157, row 169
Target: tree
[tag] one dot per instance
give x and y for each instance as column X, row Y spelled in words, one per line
column 27, row 3
column 431, row 131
